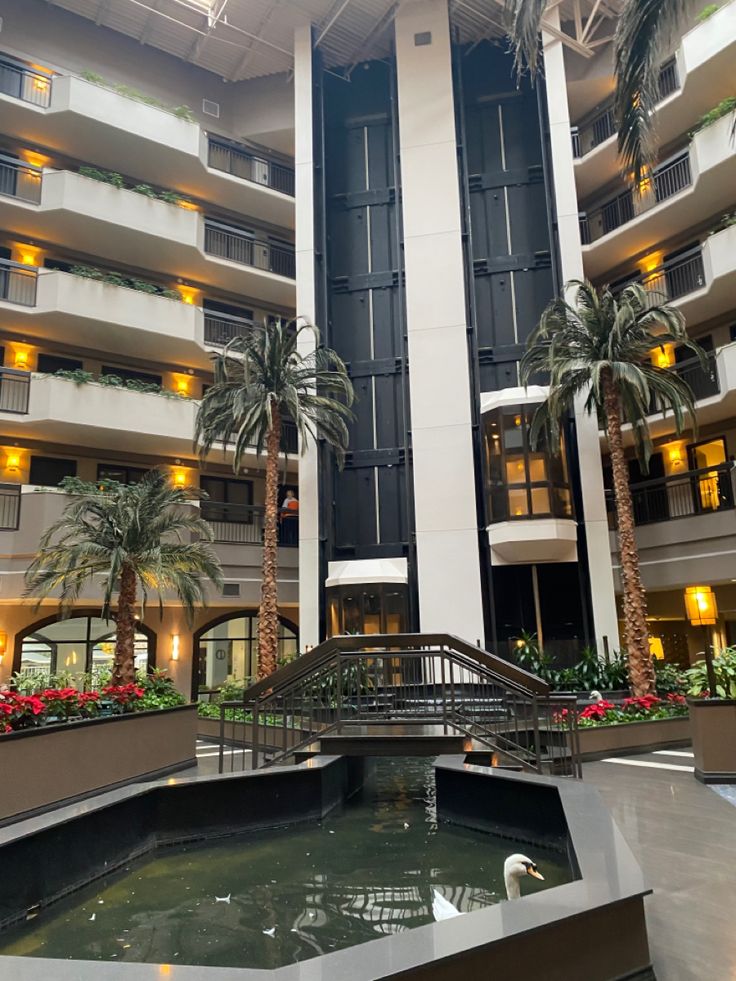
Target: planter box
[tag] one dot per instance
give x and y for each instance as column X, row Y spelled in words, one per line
column 57, row 764
column 241, row 734
column 713, row 729
column 633, row 737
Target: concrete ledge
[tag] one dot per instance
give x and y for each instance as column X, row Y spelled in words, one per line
column 47, row 767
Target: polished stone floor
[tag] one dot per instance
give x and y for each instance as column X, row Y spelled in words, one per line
column 684, row 837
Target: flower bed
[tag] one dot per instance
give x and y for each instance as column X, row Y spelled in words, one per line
column 649, row 708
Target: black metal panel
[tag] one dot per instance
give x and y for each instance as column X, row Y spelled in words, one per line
column 364, row 314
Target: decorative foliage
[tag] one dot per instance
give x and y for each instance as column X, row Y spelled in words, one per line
column 116, row 180
column 127, row 282
column 649, row 708
column 724, row 107
column 724, row 666
column 81, row 377
column 706, row 12
column 182, row 112
column 589, row 673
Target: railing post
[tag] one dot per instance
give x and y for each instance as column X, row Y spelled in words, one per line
column 338, row 694
column 256, row 729
column 221, row 761
column 537, row 746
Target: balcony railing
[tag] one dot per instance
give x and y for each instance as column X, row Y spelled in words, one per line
column 703, row 381
column 24, row 83
column 20, row 180
column 241, row 162
column 231, row 243
column 18, row 283
column 220, row 328
column 15, row 388
column 679, row 496
column 603, row 125
column 9, row 507
column 667, row 180
column 241, row 524
column 675, row 278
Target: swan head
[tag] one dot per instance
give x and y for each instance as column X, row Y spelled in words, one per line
column 517, row 866
column 596, row 695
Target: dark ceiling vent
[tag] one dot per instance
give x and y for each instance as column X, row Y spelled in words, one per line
column 210, row 108
column 231, row 589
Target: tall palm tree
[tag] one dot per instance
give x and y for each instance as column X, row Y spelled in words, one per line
column 600, row 349
column 261, row 379
column 127, row 535
column 644, row 28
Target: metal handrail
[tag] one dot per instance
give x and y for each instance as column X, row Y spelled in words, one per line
column 19, row 179
column 412, row 679
column 15, row 390
column 242, row 524
column 240, row 161
column 674, row 278
column 219, row 328
column 18, row 283
column 10, row 497
column 24, row 83
column 240, row 246
column 682, row 495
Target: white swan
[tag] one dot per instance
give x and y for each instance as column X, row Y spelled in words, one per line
column 514, row 869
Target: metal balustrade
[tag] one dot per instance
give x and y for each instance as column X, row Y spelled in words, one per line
column 238, row 246
column 359, row 684
column 24, row 83
column 242, row 524
column 221, row 328
column 244, row 163
column 703, row 381
column 9, row 507
column 20, row 180
column 667, row 180
column 676, row 277
column 18, row 283
column 15, row 389
column 603, row 125
column 683, row 495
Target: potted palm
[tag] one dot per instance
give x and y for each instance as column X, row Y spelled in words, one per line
column 599, row 350
column 261, row 378
column 713, row 717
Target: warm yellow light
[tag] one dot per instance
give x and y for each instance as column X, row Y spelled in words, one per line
column 28, row 258
column 36, row 159
column 175, row 647
column 21, row 360
column 71, row 659
column 188, row 294
column 664, row 356
column 3, row 644
column 180, row 478
column 182, row 385
column 40, row 84
column 517, row 420
column 12, row 463
column 187, row 205
column 675, row 456
column 519, row 643
column 700, row 606
column 655, row 648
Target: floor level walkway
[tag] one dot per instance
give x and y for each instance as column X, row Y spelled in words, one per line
column 684, row 837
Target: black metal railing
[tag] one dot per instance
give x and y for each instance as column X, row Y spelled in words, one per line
column 24, row 83
column 603, row 125
column 703, row 381
column 18, row 283
column 250, row 166
column 679, row 496
column 359, row 684
column 15, row 389
column 676, row 277
column 9, row 507
column 220, row 328
column 242, row 524
column 666, row 181
column 238, row 246
column 20, row 180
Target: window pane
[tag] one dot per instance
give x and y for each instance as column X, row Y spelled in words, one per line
column 540, row 500
column 515, row 473
column 518, row 507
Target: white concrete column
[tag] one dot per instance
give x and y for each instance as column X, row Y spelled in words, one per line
column 444, row 488
column 306, row 306
column 600, row 566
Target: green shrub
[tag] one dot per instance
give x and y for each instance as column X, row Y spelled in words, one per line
column 670, row 679
column 706, row 12
column 724, row 666
column 145, row 189
column 724, row 107
column 159, row 691
column 105, row 176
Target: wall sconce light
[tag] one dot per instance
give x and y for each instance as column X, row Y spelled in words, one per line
column 3, row 645
column 664, row 356
column 182, row 386
column 675, row 457
column 28, row 258
column 12, row 463
column 40, row 84
column 180, row 478
column 517, row 420
column 21, row 360
column 175, row 647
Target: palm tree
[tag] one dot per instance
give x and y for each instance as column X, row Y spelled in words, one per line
column 128, row 535
column 261, row 379
column 644, row 28
column 599, row 349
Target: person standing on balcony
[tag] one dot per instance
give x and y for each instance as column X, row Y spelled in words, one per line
column 290, row 519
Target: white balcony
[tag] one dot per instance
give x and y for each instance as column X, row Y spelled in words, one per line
column 131, row 229
column 533, row 540
column 717, row 295
column 705, row 61
column 88, row 122
column 97, row 316
column 712, row 170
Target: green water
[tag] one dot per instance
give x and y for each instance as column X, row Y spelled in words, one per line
column 365, row 871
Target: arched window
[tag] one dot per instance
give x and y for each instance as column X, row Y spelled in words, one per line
column 76, row 646
column 228, row 651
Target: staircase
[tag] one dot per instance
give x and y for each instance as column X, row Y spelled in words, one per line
column 408, row 695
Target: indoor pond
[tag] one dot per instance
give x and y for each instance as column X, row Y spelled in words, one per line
column 272, row 898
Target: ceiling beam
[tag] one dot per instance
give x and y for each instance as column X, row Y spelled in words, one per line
column 332, row 17
column 372, row 36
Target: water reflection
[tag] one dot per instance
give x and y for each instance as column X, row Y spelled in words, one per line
column 367, row 871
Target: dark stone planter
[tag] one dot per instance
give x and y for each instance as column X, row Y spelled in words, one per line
column 633, row 737
column 57, row 764
column 713, row 730
column 241, row 734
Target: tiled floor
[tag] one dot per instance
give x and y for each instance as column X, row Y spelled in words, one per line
column 684, row 836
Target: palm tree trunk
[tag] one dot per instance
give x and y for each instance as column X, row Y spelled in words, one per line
column 268, row 615
column 636, row 631
column 123, row 669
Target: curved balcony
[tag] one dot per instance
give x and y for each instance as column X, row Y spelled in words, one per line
column 696, row 182
column 704, row 59
column 134, row 230
column 89, row 122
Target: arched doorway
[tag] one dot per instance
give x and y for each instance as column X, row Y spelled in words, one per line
column 75, row 647
column 226, row 650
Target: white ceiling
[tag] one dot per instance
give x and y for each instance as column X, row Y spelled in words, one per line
column 241, row 39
